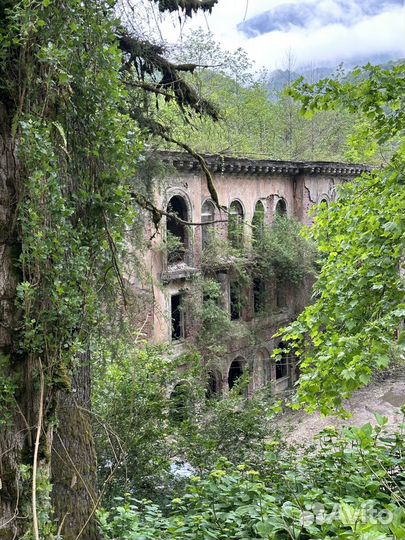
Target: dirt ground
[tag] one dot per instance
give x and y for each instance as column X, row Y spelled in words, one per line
column 385, row 396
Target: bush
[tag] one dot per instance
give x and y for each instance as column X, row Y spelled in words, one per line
column 132, row 406
column 281, row 251
column 351, row 486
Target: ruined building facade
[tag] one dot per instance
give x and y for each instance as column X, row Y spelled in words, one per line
column 246, row 188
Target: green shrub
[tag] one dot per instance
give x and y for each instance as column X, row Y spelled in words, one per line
column 282, row 252
column 351, row 486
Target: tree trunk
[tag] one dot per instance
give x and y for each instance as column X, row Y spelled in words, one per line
column 74, row 491
column 22, row 396
column 74, row 470
column 13, row 429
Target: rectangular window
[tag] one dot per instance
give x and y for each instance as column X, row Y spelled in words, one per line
column 235, row 300
column 282, row 368
column 259, row 295
column 222, row 279
column 177, row 318
column 281, row 296
column 283, row 363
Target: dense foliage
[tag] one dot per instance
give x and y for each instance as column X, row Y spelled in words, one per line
column 75, row 99
column 73, row 202
column 281, row 252
column 353, row 328
column 75, row 150
column 146, row 431
column 256, row 121
column 350, row 486
column 73, row 103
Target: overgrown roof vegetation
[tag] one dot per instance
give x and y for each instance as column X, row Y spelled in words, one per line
column 257, row 121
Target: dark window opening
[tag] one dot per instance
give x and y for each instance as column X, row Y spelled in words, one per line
column 235, row 300
column 207, row 215
column 213, row 385
column 235, row 224
column 180, row 402
column 281, row 208
column 176, row 231
column 177, row 318
column 259, row 295
column 235, row 373
column 258, row 222
column 222, row 279
column 324, row 201
column 281, row 296
column 283, row 363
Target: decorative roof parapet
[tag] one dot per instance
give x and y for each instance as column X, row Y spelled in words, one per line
column 231, row 165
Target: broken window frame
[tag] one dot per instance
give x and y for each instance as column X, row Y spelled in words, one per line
column 177, row 318
column 283, row 365
column 259, row 295
column 177, row 230
column 235, row 301
column 281, row 208
column 235, row 224
column 214, row 384
column 258, row 222
column 236, row 365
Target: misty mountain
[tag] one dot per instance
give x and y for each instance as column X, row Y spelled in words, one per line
column 311, row 13
column 280, row 78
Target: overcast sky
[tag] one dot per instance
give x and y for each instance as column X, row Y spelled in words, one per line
column 323, row 32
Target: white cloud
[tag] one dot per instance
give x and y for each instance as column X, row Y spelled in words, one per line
column 332, row 43
column 368, row 36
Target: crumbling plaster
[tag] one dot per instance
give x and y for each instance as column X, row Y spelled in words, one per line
column 301, row 185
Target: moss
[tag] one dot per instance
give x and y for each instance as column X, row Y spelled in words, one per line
column 62, row 377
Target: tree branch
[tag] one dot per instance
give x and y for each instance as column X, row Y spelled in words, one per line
column 147, row 59
column 158, row 214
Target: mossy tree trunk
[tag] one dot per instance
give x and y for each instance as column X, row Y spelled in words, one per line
column 13, row 431
column 68, row 449
column 74, row 470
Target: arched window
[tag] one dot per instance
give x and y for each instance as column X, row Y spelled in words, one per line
column 324, row 201
column 281, row 208
column 235, row 224
column 235, row 373
column 207, row 215
column 180, row 402
column 214, row 384
column 258, row 221
column 177, row 236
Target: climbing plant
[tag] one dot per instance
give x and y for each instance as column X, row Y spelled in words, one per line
column 281, row 251
column 72, row 125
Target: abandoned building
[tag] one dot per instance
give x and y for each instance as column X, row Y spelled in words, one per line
column 249, row 190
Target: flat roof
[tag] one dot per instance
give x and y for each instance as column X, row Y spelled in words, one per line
column 220, row 164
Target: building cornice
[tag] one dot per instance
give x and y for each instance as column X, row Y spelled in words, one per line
column 217, row 164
